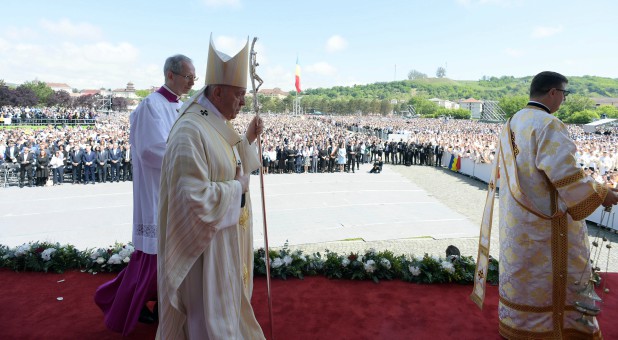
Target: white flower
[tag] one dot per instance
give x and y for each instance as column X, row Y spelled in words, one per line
column 126, row 259
column 114, row 259
column 345, row 262
column 100, row 260
column 22, row 250
column 287, row 260
column 370, row 266
column 448, row 266
column 277, row 263
column 385, row 263
column 436, row 258
column 359, row 258
column 126, row 251
column 5, row 257
column 46, row 254
column 95, row 255
column 415, row 271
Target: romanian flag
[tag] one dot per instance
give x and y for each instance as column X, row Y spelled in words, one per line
column 455, row 163
column 297, row 81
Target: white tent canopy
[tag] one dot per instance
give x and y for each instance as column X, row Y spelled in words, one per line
column 592, row 127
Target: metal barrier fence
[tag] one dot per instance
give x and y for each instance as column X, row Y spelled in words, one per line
column 12, row 122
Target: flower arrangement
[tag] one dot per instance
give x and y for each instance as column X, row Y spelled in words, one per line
column 111, row 259
column 284, row 263
column 41, row 257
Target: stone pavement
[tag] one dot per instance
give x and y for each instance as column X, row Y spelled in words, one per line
column 408, row 210
column 464, row 195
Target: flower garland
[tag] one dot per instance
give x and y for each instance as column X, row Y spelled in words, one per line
column 370, row 265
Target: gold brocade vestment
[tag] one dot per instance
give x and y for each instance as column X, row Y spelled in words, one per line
column 544, row 246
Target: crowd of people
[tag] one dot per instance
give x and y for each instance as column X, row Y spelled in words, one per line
column 46, row 115
column 65, row 153
column 291, row 144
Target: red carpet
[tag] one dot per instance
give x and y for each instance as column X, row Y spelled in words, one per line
column 314, row 308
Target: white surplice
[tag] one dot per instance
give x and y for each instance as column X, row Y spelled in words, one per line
column 151, row 123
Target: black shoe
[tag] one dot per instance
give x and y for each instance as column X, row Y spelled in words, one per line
column 146, row 316
column 155, row 312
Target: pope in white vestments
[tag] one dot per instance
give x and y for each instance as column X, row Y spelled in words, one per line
column 205, row 264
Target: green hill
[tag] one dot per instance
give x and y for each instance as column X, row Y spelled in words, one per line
column 487, row 89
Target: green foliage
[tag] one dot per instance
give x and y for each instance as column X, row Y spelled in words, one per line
column 42, row 91
column 414, row 74
column 576, row 103
column 41, row 257
column 582, row 117
column 512, row 104
column 609, row 110
column 370, row 265
column 142, row 93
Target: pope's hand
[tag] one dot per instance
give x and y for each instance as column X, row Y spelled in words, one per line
column 243, row 179
column 255, row 128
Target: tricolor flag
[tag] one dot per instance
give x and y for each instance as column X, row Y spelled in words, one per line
column 455, row 163
column 297, row 81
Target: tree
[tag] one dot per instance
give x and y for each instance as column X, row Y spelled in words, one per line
column 40, row 89
column 582, row 117
column 60, row 98
column 385, row 107
column 441, row 72
column 609, row 111
column 511, row 104
column 85, row 101
column 414, row 74
column 7, row 96
column 423, row 106
column 142, row 93
column 25, row 96
column 119, row 103
column 576, row 103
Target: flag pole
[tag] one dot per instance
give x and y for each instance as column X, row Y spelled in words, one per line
column 256, row 108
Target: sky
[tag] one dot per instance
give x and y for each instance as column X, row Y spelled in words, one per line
column 106, row 44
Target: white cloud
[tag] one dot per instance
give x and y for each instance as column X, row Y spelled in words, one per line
column 336, row 43
column 223, row 3
column 64, row 28
column 544, row 31
column 513, row 52
column 321, row 68
column 21, row 33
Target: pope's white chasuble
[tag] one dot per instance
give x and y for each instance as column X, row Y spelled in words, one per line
column 205, row 246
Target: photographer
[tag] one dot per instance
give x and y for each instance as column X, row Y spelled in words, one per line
column 377, row 166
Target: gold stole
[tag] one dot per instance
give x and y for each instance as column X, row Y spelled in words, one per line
column 482, row 262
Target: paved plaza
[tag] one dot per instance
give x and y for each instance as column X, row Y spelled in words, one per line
column 408, row 210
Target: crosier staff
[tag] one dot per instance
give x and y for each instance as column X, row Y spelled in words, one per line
column 256, row 108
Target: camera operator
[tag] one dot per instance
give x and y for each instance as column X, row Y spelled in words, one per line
column 377, row 166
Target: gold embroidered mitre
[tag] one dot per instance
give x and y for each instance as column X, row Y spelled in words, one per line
column 225, row 70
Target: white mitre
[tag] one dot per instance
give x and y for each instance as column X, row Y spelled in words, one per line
column 225, row 70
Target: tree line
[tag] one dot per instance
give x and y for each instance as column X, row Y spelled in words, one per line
column 380, row 98
column 38, row 94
